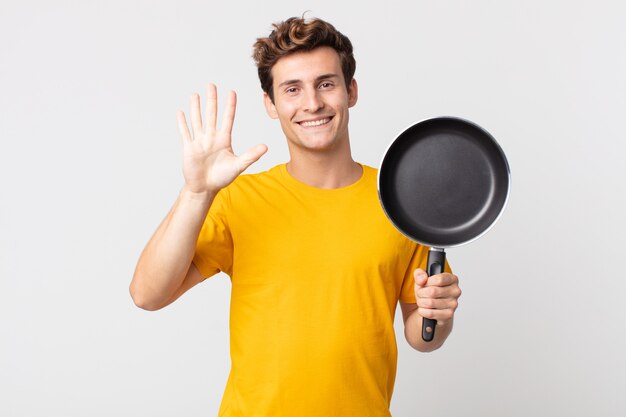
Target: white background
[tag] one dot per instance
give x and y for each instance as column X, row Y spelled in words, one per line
column 90, row 162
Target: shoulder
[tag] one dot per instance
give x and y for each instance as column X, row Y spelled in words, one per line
column 369, row 171
column 249, row 185
column 370, row 176
column 270, row 176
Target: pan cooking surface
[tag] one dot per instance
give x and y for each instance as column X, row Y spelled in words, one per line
column 444, row 181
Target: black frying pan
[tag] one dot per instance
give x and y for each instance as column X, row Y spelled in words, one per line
column 443, row 182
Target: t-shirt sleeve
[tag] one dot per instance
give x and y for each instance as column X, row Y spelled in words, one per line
column 419, row 260
column 214, row 247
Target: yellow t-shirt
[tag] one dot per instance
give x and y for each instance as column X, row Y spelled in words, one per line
column 316, row 275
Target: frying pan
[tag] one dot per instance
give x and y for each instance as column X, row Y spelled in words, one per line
column 443, row 182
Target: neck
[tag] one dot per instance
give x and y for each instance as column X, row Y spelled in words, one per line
column 324, row 169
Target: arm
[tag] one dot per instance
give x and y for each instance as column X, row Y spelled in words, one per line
column 165, row 270
column 165, row 263
column 436, row 298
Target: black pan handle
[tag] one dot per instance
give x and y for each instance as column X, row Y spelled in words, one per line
column 436, row 261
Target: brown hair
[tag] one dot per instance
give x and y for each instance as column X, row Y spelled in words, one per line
column 296, row 35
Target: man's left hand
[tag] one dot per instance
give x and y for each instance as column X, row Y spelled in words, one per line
column 436, row 296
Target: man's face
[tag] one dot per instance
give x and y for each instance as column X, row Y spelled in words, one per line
column 311, row 100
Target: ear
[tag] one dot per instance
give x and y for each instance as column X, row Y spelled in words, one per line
column 353, row 93
column 270, row 108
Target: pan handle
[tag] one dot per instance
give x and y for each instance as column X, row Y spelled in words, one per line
column 436, row 261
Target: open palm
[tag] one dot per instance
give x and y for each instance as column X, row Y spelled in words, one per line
column 209, row 163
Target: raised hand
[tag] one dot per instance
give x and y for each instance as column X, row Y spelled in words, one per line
column 209, row 163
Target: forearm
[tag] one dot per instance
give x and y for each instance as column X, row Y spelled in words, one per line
column 413, row 333
column 168, row 255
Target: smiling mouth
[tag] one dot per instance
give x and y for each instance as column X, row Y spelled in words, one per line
column 314, row 123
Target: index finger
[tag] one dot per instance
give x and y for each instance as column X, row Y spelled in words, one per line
column 442, row 280
column 229, row 113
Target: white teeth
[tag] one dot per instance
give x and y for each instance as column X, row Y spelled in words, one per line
column 315, row 122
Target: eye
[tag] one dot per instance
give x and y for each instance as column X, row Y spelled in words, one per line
column 326, row 84
column 291, row 90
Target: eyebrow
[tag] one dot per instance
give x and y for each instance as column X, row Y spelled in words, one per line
column 317, row 79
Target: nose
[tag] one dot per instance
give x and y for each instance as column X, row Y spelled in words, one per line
column 312, row 101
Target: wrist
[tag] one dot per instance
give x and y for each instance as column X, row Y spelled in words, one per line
column 197, row 196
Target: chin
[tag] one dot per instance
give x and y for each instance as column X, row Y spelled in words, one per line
column 318, row 145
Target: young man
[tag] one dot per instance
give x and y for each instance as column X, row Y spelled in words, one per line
column 316, row 267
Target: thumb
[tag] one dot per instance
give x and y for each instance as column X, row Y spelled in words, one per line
column 251, row 155
column 421, row 277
